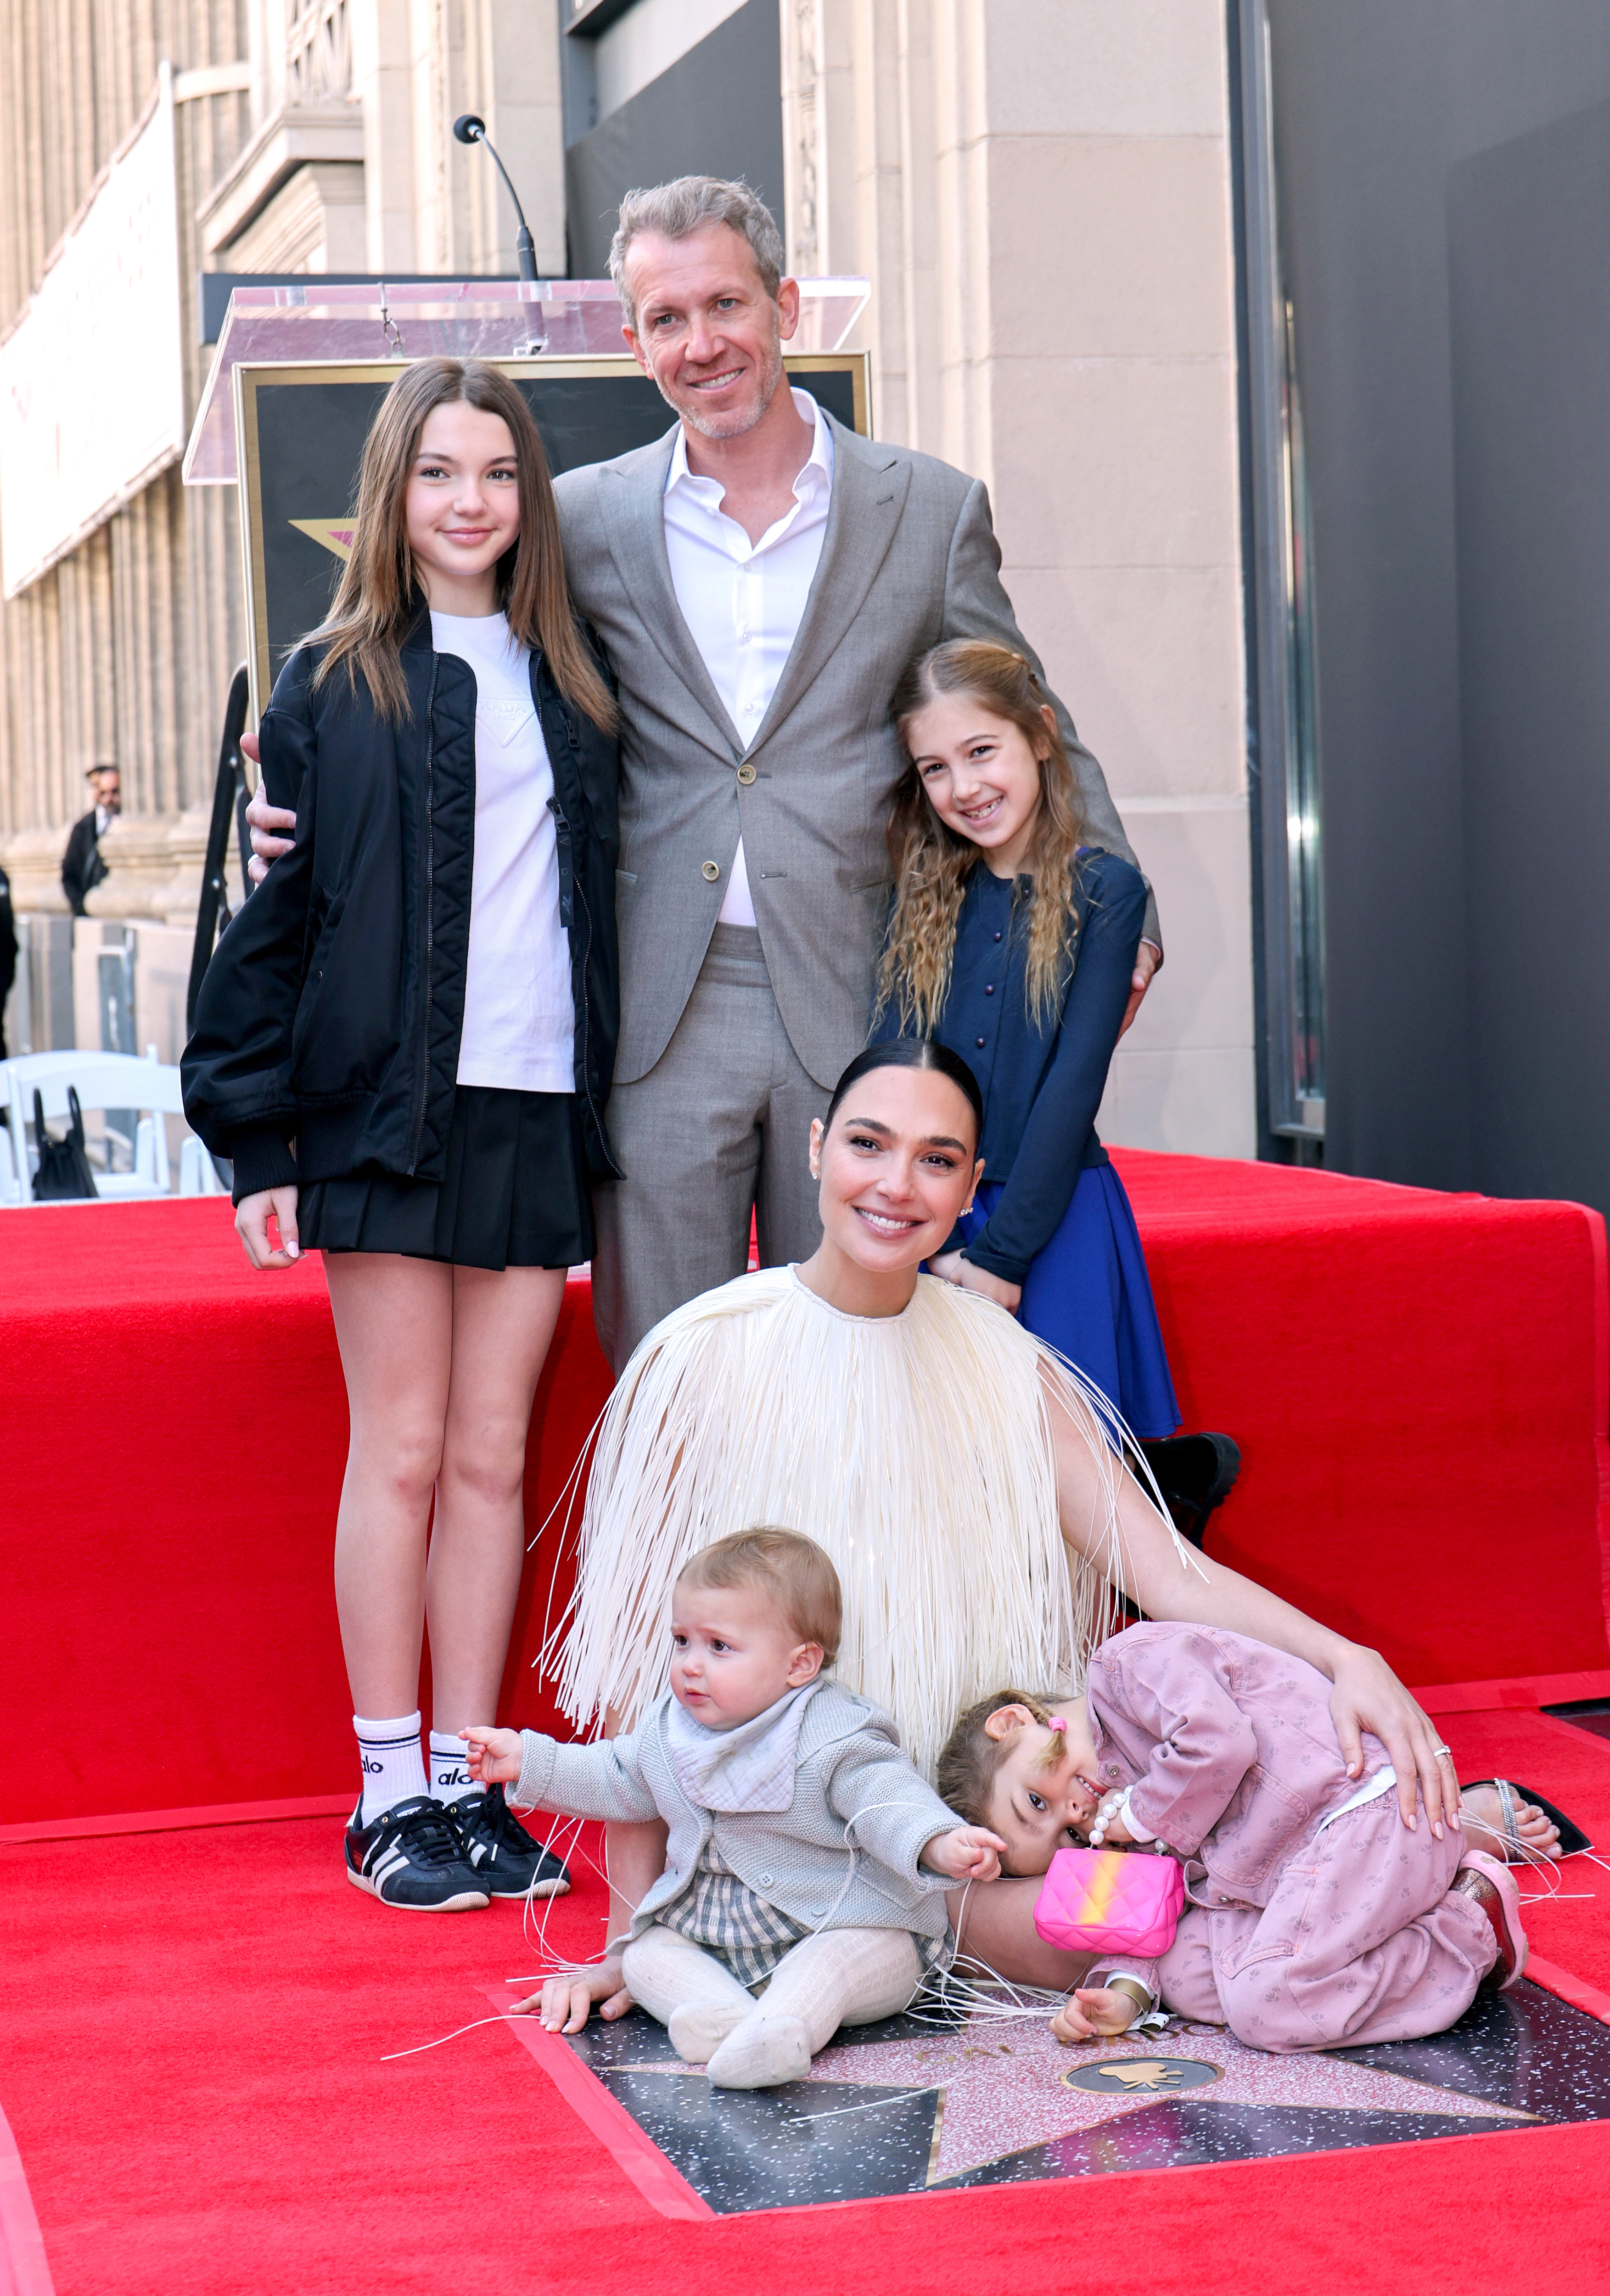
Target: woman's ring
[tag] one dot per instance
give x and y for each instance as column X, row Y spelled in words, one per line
column 1443, row 1753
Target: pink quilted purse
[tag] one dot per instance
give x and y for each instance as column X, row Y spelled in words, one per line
column 1111, row 1901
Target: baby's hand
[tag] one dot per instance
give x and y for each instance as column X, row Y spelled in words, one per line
column 968, row 1853
column 494, row 1756
column 1094, row 2012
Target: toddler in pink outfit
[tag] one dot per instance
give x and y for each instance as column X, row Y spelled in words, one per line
column 1315, row 1917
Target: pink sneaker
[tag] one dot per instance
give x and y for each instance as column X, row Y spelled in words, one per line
column 1490, row 1886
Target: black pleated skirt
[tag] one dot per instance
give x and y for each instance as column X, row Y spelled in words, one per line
column 514, row 1194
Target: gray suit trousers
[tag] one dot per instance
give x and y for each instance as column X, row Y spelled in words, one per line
column 719, row 1126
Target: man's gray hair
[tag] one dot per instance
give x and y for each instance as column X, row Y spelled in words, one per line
column 675, row 210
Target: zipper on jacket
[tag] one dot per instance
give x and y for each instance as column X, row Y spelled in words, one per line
column 567, row 862
column 419, row 1122
column 571, row 896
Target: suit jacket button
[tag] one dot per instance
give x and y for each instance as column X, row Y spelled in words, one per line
column 746, row 773
column 710, row 871
column 979, row 1041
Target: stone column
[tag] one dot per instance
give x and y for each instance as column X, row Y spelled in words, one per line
column 382, row 56
column 1039, row 191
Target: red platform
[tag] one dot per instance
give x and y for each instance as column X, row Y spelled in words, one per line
column 1418, row 1381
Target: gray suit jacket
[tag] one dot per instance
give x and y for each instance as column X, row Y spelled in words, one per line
column 910, row 557
column 853, row 1787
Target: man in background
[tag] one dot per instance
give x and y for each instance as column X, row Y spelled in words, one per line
column 82, row 867
column 8, row 956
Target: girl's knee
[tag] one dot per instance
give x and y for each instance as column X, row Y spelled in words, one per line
column 490, row 1469
column 404, row 1461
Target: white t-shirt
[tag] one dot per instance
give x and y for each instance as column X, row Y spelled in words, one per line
column 520, row 1014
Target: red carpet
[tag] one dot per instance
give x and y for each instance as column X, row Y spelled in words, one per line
column 193, row 2021
column 1418, row 1381
column 191, row 2029
column 174, row 1429
column 1573, row 1768
column 1419, row 1386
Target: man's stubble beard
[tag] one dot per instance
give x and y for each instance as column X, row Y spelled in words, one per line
column 734, row 426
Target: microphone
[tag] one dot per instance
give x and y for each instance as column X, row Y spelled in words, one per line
column 469, row 129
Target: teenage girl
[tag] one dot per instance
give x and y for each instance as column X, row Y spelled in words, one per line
column 405, row 1043
column 1013, row 943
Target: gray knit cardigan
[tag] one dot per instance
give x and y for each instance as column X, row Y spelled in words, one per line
column 844, row 1856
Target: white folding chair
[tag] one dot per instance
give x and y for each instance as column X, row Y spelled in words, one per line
column 198, row 1174
column 101, row 1080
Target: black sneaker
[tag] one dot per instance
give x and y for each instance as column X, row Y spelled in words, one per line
column 412, row 1857
column 500, row 1853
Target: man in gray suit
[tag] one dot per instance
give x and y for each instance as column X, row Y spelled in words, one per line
column 761, row 576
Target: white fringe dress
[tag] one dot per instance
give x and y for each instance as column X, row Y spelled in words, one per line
column 916, row 1448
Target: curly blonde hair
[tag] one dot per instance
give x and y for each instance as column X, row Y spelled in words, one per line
column 931, row 864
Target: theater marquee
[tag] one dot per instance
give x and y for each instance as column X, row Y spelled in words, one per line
column 73, row 451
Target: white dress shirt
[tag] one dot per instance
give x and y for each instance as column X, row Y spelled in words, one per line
column 743, row 601
column 520, row 1012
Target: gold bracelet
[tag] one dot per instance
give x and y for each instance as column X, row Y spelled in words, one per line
column 1144, row 1999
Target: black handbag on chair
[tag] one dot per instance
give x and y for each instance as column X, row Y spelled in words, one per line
column 63, row 1173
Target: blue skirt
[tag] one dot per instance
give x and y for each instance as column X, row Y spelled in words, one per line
column 1088, row 1295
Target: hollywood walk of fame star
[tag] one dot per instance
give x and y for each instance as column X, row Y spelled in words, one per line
column 1002, row 2090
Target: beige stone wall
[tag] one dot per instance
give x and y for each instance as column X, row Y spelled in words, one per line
column 1039, row 191
column 313, row 135
column 124, row 649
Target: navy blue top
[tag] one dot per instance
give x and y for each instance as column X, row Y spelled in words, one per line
column 1042, row 1084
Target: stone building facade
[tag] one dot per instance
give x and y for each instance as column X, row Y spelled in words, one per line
column 1039, row 192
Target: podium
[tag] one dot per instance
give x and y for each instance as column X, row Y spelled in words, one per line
column 299, row 372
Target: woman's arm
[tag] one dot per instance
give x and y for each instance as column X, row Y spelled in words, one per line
column 1165, row 1584
column 1045, row 1169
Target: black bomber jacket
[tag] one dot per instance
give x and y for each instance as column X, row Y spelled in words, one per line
column 332, row 1012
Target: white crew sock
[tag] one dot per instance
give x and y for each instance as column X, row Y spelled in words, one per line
column 393, row 1765
column 450, row 1778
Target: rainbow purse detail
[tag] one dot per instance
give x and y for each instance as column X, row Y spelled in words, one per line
column 1111, row 1901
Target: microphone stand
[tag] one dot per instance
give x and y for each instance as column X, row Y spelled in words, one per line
column 469, row 129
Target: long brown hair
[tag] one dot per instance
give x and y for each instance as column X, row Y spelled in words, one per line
column 931, row 864
column 374, row 602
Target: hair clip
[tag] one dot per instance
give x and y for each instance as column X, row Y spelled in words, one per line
column 1055, row 1722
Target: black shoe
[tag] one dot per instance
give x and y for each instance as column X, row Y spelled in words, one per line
column 1195, row 1473
column 412, row 1857
column 500, row 1853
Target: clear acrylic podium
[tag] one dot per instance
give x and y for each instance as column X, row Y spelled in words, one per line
column 475, row 318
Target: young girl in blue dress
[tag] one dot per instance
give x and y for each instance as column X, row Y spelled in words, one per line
column 1013, row 942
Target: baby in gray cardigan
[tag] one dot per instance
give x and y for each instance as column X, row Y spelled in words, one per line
column 805, row 1854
